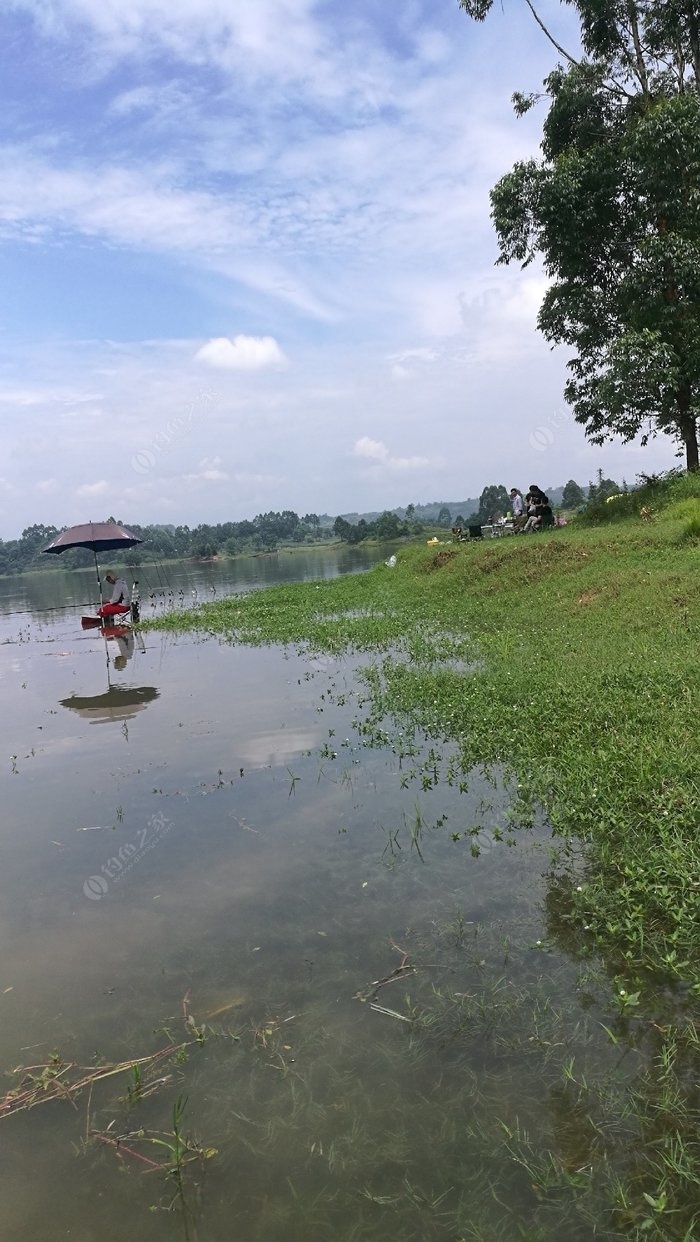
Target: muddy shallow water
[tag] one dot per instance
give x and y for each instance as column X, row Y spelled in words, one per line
column 198, row 849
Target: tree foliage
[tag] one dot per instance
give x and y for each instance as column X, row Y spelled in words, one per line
column 613, row 207
column 264, row 533
column 387, row 526
column 493, row 502
column 602, row 488
column 572, row 496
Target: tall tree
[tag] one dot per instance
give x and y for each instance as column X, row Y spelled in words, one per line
column 572, row 496
column 494, row 500
column 389, row 526
column 341, row 527
column 613, row 207
column 602, row 488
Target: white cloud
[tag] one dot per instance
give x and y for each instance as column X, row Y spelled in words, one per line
column 100, row 488
column 22, row 397
column 375, row 450
column 248, row 479
column 422, row 354
column 157, row 103
column 243, row 353
column 276, row 35
column 208, row 471
column 45, row 396
column 408, row 463
column 127, row 205
column 402, row 367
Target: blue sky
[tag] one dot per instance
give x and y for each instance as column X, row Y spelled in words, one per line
column 247, row 261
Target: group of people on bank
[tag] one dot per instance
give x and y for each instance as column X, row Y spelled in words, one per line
column 531, row 513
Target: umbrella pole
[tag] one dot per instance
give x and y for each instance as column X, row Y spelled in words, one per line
column 109, row 679
column 99, row 580
column 99, row 587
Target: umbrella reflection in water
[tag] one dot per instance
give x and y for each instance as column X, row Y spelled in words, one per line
column 117, row 703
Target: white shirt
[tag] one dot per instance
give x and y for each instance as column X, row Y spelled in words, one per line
column 120, row 593
column 517, row 505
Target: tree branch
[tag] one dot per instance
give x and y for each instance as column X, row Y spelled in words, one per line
column 681, row 63
column 638, row 53
column 694, row 36
column 551, row 38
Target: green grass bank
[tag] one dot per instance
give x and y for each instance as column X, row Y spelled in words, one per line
column 582, row 682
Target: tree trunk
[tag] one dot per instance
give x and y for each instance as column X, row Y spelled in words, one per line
column 688, row 426
column 694, row 31
column 642, row 73
column 692, row 460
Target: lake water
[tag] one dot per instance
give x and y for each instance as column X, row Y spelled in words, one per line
column 199, row 849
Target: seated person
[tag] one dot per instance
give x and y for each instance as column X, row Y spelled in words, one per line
column 532, row 522
column 121, row 598
column 545, row 515
column 542, row 516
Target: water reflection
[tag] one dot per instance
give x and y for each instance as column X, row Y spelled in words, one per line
column 117, row 703
column 123, row 644
column 55, row 593
column 299, row 869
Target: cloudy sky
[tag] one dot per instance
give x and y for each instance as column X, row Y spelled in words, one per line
column 247, row 261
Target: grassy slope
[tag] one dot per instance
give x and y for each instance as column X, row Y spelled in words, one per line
column 586, row 686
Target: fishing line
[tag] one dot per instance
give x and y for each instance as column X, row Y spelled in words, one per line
column 24, row 612
column 168, row 586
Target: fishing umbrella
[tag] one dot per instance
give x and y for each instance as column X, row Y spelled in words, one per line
column 98, row 537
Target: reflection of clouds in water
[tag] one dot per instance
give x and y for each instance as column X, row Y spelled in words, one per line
column 276, row 748
column 62, row 746
column 321, row 664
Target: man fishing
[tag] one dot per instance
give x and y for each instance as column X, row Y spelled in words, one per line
column 121, row 597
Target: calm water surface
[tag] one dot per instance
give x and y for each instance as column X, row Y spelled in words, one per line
column 272, row 870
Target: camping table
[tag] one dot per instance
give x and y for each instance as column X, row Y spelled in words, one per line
column 496, row 530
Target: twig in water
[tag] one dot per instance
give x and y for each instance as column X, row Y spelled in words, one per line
column 391, row 1013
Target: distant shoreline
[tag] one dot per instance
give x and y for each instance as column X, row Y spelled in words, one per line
column 53, row 565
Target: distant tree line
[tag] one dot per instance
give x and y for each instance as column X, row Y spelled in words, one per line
column 263, row 534
column 386, row 527
column 267, row 531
